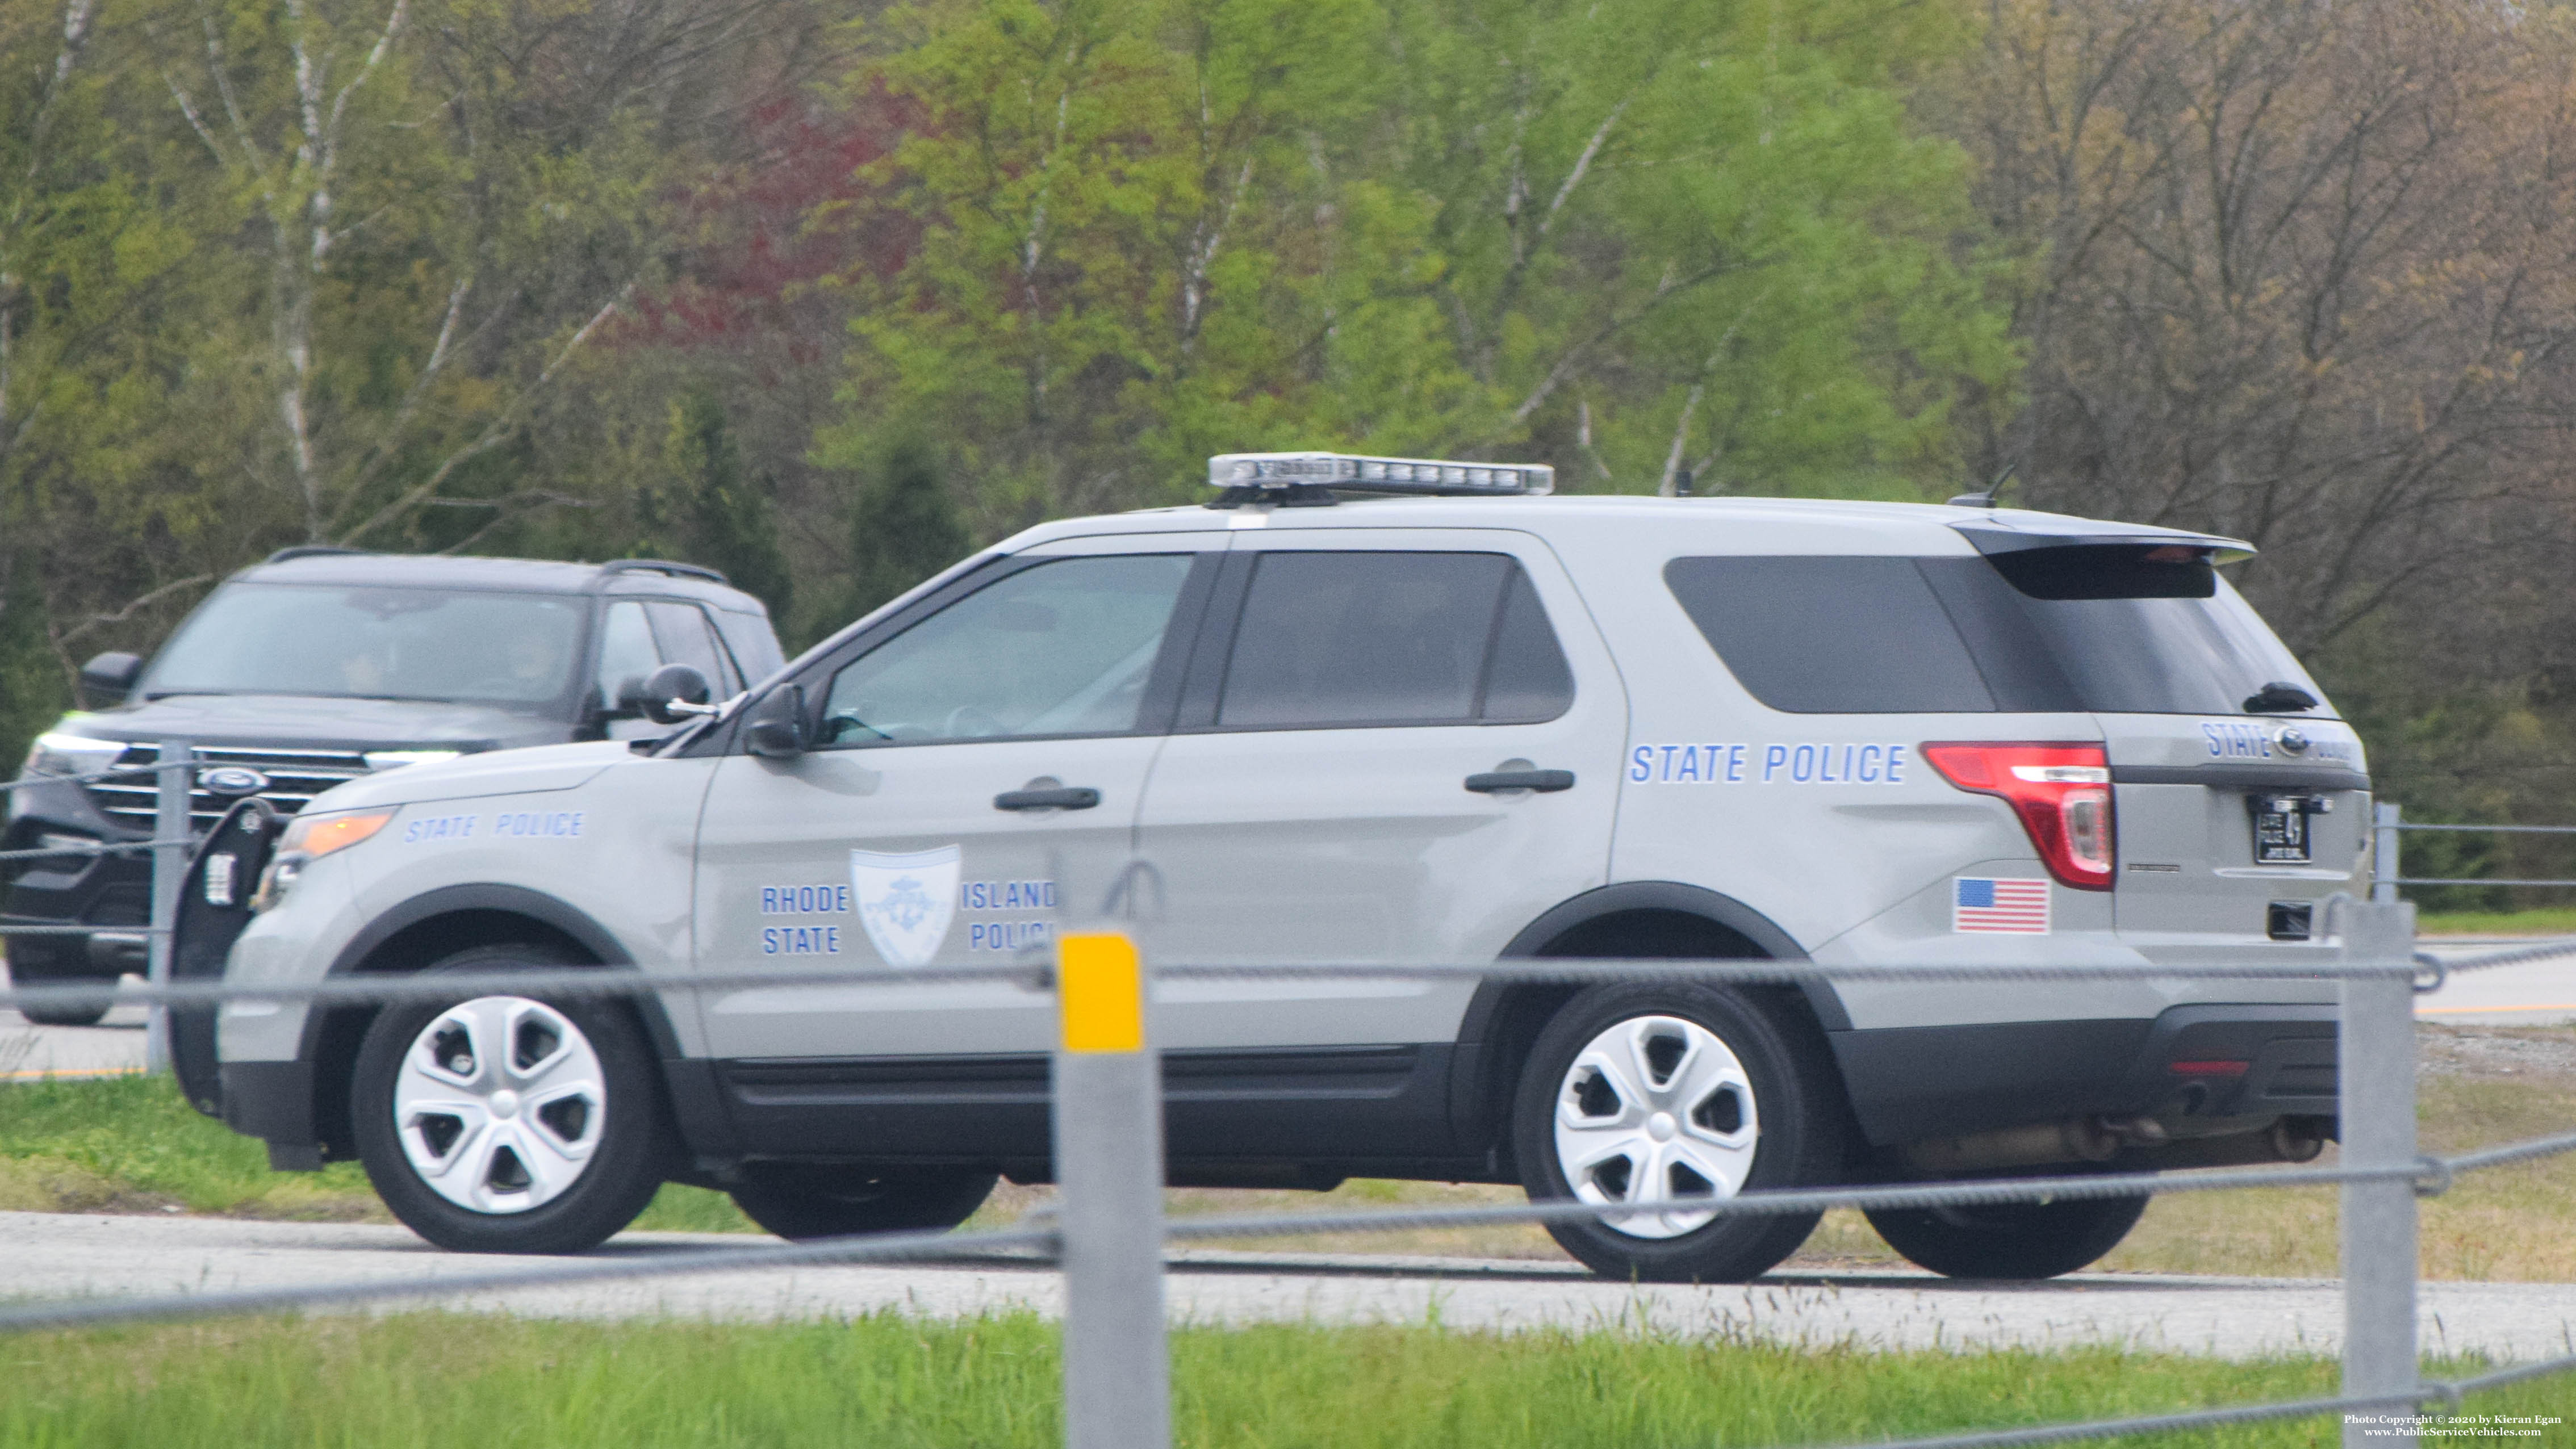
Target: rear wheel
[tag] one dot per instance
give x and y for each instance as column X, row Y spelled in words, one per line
column 509, row 1124
column 1641, row 1093
column 2019, row 1240
column 799, row 1201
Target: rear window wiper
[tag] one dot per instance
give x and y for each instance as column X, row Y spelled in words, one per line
column 2279, row 697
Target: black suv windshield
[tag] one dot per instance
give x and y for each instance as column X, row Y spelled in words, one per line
column 365, row 643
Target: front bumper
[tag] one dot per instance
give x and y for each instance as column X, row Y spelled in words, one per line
column 112, row 893
column 1911, row 1083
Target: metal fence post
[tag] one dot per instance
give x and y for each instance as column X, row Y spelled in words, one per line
column 170, row 828
column 1108, row 1106
column 2383, row 854
column 2376, row 1060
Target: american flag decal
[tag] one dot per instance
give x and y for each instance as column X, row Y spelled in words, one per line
column 2014, row 907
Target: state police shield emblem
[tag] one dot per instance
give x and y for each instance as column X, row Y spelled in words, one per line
column 906, row 901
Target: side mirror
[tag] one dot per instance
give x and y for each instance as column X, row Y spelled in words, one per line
column 106, row 680
column 776, row 728
column 667, row 689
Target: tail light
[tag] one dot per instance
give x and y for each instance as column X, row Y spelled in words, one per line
column 2061, row 792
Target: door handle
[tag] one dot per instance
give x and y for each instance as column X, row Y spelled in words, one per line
column 1062, row 797
column 1543, row 781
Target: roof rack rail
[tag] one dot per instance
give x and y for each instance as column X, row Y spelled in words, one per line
column 309, row 550
column 663, row 566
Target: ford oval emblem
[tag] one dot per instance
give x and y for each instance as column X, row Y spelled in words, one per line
column 2293, row 741
column 234, row 780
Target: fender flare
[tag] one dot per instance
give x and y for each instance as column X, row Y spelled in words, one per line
column 1689, row 900
column 1471, row 1116
column 545, row 910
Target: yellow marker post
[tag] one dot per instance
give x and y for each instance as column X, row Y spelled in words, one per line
column 1100, row 993
column 1108, row 1113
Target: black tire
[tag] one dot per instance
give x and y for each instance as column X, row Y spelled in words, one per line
column 1798, row 1121
column 2019, row 1241
column 801, row 1201
column 29, row 967
column 628, row 1156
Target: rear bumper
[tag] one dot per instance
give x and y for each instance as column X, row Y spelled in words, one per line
column 1910, row 1083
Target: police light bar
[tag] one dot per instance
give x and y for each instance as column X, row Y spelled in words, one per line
column 1377, row 475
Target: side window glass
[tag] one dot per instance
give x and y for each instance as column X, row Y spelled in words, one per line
column 1348, row 639
column 1831, row 635
column 625, row 648
column 1064, row 648
column 682, row 633
column 1527, row 680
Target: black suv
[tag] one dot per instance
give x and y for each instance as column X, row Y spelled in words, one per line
column 319, row 665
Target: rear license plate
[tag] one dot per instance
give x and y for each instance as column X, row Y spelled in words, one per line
column 2281, row 828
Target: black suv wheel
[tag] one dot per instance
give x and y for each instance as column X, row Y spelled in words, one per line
column 799, row 1201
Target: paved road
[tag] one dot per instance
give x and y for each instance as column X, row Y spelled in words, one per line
column 2537, row 995
column 51, row 1255
column 114, row 1045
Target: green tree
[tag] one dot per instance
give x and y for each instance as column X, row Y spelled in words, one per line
column 726, row 519
column 1631, row 237
column 903, row 529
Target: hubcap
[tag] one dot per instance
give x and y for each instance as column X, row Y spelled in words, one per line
column 1652, row 1109
column 500, row 1104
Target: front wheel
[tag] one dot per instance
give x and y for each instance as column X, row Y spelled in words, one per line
column 1650, row 1093
column 32, row 968
column 2014, row 1240
column 801, row 1201
column 509, row 1124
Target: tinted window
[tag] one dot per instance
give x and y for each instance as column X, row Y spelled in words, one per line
column 1334, row 639
column 1527, row 680
column 2163, row 656
column 2015, row 633
column 1064, row 648
column 626, row 648
column 374, row 644
column 1831, row 635
column 682, row 632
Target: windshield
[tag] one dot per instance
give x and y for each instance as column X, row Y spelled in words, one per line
column 424, row 644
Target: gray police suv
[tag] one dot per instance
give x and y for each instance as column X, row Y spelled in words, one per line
column 324, row 665
column 1307, row 724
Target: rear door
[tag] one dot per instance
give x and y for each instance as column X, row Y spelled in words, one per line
column 1337, row 786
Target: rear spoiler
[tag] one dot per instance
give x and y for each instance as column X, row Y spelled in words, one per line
column 2015, row 530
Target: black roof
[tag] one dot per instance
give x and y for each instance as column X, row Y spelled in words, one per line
column 316, row 565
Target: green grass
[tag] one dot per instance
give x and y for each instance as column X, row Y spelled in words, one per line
column 885, row 1380
column 2554, row 921
column 130, row 1144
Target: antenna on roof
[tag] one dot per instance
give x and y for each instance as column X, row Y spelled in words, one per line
column 1993, row 494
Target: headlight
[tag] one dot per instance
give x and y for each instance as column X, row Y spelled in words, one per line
column 55, row 753
column 308, row 838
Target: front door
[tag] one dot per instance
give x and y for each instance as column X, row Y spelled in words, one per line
column 973, row 785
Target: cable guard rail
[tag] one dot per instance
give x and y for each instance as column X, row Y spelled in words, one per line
column 94, row 848
column 2425, row 1174
column 143, row 767
column 625, row 980
column 1023, row 1241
